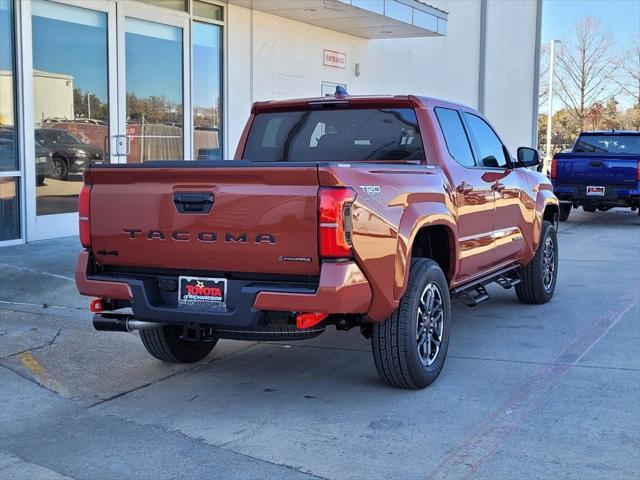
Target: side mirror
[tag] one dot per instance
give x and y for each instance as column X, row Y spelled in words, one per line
column 528, row 157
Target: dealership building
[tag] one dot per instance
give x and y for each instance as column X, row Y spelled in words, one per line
column 127, row 81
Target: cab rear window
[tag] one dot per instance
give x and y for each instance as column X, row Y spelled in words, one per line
column 603, row 143
column 335, row 135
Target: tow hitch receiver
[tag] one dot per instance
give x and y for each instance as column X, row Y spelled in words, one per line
column 196, row 332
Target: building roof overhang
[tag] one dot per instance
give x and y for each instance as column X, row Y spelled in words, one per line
column 361, row 18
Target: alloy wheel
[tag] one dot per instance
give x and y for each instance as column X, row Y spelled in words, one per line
column 430, row 324
column 56, row 168
column 548, row 264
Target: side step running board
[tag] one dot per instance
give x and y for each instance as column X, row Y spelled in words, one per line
column 473, row 296
column 475, row 292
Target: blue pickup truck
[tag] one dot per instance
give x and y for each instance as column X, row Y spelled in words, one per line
column 601, row 171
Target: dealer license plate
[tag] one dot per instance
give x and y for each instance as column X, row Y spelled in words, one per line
column 595, row 191
column 202, row 292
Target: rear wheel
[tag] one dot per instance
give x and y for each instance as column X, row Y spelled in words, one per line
column 164, row 343
column 539, row 277
column 565, row 210
column 410, row 347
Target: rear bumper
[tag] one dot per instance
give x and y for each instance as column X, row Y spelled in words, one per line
column 613, row 197
column 342, row 289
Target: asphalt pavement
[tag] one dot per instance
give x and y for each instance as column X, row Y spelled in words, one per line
column 535, row 392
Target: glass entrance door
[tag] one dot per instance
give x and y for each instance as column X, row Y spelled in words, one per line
column 107, row 81
column 152, row 71
column 72, row 107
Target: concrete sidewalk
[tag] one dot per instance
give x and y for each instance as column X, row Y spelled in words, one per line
column 549, row 391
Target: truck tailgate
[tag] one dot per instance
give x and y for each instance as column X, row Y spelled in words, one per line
column 595, row 169
column 261, row 219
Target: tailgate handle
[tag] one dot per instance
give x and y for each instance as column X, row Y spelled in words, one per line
column 193, row 202
column 596, row 163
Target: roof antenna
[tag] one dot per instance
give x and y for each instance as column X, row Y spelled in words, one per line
column 340, row 91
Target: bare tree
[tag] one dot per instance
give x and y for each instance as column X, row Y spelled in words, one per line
column 543, row 91
column 585, row 69
column 629, row 78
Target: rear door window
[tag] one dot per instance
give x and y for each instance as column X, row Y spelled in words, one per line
column 346, row 134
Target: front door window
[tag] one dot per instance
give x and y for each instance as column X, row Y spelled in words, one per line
column 490, row 149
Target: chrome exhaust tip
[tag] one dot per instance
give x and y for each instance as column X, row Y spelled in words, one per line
column 120, row 322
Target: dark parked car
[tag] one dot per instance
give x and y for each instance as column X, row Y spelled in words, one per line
column 69, row 154
column 44, row 166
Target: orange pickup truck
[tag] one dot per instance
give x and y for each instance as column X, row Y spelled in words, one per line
column 368, row 212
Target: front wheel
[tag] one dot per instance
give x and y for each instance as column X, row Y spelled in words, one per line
column 409, row 347
column 539, row 277
column 59, row 170
column 164, row 343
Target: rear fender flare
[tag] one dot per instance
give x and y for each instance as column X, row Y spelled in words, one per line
column 414, row 218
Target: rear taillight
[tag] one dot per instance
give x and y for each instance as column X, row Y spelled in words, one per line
column 334, row 221
column 638, row 174
column 554, row 168
column 83, row 216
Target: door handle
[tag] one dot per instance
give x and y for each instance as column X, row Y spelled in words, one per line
column 123, row 145
column 498, row 187
column 193, row 202
column 464, row 188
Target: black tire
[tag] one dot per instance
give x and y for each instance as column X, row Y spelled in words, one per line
column 60, row 169
column 40, row 181
column 589, row 208
column 164, row 344
column 565, row 210
column 536, row 287
column 395, row 342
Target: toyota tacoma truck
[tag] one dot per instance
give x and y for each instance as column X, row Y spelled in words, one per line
column 601, row 171
column 367, row 212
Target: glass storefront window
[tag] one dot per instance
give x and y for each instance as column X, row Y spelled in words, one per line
column 180, row 5
column 207, row 10
column 8, row 144
column 70, row 99
column 9, row 208
column 207, row 91
column 154, row 70
column 9, row 162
